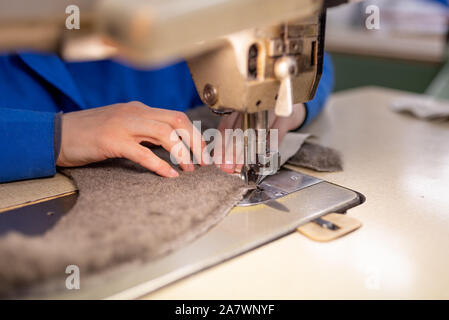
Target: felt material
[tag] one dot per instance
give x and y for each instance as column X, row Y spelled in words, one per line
column 316, row 157
column 123, row 213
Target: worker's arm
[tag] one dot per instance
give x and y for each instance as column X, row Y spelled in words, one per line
column 325, row 87
column 32, row 144
column 35, row 87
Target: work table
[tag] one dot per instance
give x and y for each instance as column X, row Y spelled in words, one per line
column 401, row 165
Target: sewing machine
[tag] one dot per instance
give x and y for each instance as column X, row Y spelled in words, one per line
column 270, row 57
column 257, row 70
column 247, row 56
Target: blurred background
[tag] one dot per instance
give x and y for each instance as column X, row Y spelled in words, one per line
column 408, row 51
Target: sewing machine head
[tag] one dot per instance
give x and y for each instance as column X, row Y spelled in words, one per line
column 254, row 70
column 257, row 70
column 247, row 56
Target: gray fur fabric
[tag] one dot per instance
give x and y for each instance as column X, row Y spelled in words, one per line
column 123, row 213
column 317, row 157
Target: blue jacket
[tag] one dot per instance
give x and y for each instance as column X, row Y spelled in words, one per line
column 34, row 87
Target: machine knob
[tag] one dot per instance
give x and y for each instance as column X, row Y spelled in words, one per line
column 284, row 69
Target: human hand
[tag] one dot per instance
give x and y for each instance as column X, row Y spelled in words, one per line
column 234, row 121
column 117, row 131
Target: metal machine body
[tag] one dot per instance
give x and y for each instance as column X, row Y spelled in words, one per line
column 246, row 73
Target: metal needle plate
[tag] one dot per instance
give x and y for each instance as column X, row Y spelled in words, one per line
column 283, row 183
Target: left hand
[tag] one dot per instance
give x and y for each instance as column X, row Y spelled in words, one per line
column 283, row 124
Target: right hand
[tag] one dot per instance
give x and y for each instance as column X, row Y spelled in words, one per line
column 117, row 131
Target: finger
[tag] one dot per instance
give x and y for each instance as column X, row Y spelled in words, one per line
column 239, row 163
column 235, row 146
column 228, row 121
column 239, row 147
column 146, row 158
column 166, row 137
column 190, row 135
column 282, row 129
column 238, row 121
column 228, row 145
column 271, row 118
column 228, row 160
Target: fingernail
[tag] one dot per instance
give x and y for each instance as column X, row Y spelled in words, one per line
column 173, row 173
column 207, row 160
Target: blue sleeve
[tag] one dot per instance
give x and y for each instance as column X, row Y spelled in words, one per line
column 323, row 91
column 445, row 2
column 26, row 144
